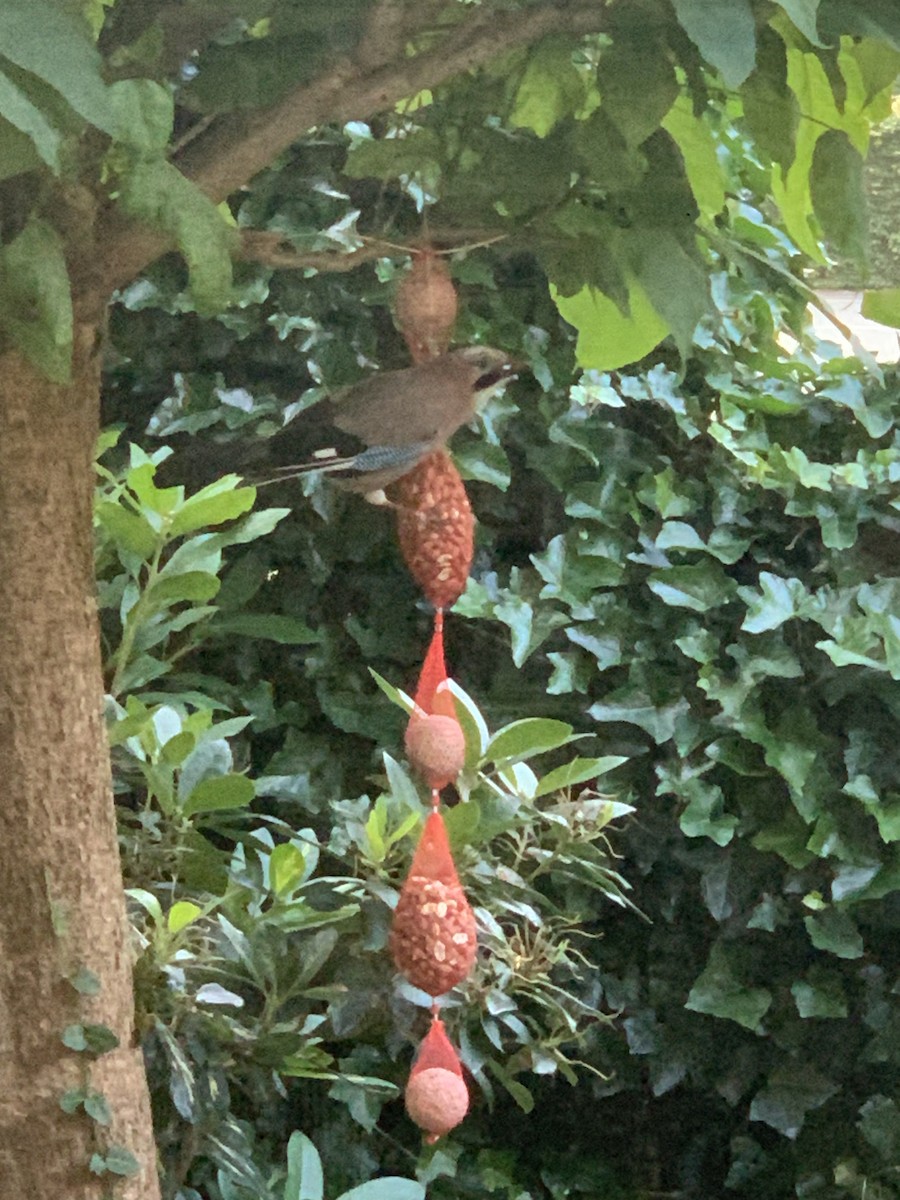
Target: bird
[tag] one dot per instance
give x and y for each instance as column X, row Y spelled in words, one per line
column 368, row 435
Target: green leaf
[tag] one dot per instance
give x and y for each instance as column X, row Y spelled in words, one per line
column 636, row 708
column 525, row 738
column 820, row 994
column 879, row 1123
column 120, row 1161
column 212, row 506
column 145, row 111
column 388, row 158
column 97, row 1108
column 695, row 140
column 71, row 1100
column 287, row 867
column 181, row 914
column 89, row 1038
column 836, row 932
column 803, row 14
column 395, row 695
column 153, row 190
column 288, row 631
column 389, row 1187
column 17, row 152
column 724, row 32
column 191, row 585
column 51, row 42
column 147, row 901
column 778, row 601
column 304, row 1178
column 838, row 194
column 16, row 108
column 883, row 306
column 518, row 1091
column 129, row 530
column 637, row 80
column 674, row 281
column 85, row 982
column 299, row 916
column 35, row 301
column 719, row 992
column 550, row 89
column 218, row 793
column 486, row 463
column 607, row 339
column 700, row 587
column 791, row 1092
column 579, row 770
column 704, row 815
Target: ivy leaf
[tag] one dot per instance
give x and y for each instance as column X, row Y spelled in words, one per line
column 718, row 992
column 777, row 601
column 636, row 708
column 700, row 587
column 791, row 1092
column 834, row 931
column 820, row 994
column 879, row 1123
column 120, row 1161
column 97, row 1108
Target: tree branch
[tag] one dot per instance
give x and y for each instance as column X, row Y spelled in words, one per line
column 273, row 249
column 238, row 146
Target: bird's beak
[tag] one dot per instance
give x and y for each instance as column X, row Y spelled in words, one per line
column 497, row 375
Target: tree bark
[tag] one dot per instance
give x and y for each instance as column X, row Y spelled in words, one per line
column 61, row 893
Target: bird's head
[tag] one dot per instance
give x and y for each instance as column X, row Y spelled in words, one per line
column 488, row 367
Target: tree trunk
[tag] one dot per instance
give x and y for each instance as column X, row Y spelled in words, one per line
column 61, row 901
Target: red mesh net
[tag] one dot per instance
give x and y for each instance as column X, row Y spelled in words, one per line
column 432, row 859
column 433, row 693
column 437, row 1051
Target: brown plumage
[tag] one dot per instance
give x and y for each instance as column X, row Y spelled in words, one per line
column 386, row 423
column 365, row 436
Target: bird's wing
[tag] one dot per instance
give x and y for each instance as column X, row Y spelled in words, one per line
column 421, row 404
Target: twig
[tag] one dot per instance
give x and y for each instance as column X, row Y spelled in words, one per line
column 235, row 147
column 274, row 249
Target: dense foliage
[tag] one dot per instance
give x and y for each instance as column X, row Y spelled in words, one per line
column 687, row 560
column 698, row 572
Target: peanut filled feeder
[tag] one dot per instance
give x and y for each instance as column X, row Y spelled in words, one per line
column 433, row 938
